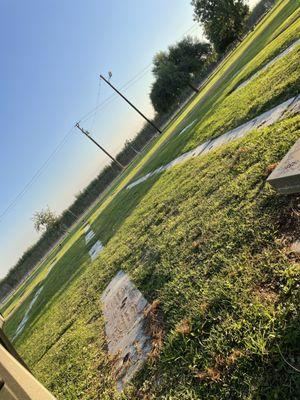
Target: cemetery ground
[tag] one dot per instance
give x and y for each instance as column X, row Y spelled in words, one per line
column 163, row 150
column 207, row 243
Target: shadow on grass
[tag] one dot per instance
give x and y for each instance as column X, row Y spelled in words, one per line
column 71, row 264
column 65, row 271
column 120, row 208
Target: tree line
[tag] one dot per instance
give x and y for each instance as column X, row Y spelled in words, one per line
column 177, row 73
column 189, row 61
column 54, row 228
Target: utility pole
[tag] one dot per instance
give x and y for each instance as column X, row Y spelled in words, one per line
column 88, row 135
column 129, row 102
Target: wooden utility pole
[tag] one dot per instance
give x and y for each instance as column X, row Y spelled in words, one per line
column 129, row 102
column 88, row 135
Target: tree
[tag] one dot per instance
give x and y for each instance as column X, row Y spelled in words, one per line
column 175, row 70
column 44, row 219
column 223, row 20
column 167, row 88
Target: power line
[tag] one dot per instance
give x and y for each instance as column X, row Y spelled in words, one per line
column 88, row 115
column 128, row 84
column 131, row 104
column 88, row 135
column 36, row 175
column 113, row 96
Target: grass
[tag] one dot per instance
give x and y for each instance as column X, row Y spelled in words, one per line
column 37, row 275
column 216, row 86
column 232, row 109
column 208, row 239
column 65, row 269
column 25, row 289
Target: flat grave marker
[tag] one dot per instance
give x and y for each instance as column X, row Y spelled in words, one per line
column 187, row 127
column 89, row 236
column 129, row 342
column 95, row 250
column 86, row 228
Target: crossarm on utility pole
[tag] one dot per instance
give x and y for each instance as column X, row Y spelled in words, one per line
column 87, row 134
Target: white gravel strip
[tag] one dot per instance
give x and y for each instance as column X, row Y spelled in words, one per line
column 284, row 53
column 95, row 250
column 86, row 228
column 22, row 324
column 291, row 106
column 89, row 236
column 187, row 127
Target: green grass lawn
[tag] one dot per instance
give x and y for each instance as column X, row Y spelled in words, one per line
column 232, row 109
column 26, row 288
column 208, row 239
column 217, row 86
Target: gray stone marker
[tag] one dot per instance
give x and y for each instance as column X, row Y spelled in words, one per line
column 286, row 176
column 95, row 250
column 89, row 236
column 126, row 327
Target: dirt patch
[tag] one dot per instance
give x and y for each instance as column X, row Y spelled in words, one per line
column 289, row 222
column 155, row 327
column 184, row 327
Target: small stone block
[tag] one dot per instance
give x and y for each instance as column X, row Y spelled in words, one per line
column 286, row 176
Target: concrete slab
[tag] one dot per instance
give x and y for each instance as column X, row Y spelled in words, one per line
column 140, row 180
column 270, row 63
column 270, row 117
column 187, row 127
column 23, row 322
column 129, row 342
column 295, row 247
column 286, row 177
column 89, row 236
column 95, row 250
column 294, row 107
column 267, row 118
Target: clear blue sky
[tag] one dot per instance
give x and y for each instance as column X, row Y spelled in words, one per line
column 52, row 53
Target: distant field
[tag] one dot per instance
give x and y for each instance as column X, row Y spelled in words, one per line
column 208, row 239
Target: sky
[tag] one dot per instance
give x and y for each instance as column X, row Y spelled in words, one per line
column 52, row 54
